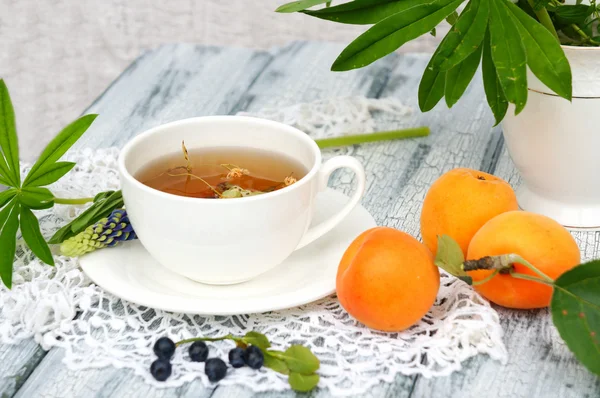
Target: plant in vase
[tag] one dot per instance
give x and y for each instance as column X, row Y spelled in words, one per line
column 541, row 53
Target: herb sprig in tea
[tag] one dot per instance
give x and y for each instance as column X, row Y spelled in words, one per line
column 230, row 184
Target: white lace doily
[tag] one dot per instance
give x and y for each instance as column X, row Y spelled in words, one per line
column 60, row 307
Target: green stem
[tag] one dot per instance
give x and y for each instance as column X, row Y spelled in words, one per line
column 521, row 260
column 373, row 137
column 544, row 18
column 227, row 337
column 486, row 279
column 586, row 39
column 80, row 201
column 531, row 278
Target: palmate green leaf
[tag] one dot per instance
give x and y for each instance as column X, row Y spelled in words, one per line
column 365, row 12
column 30, row 228
column 459, row 77
column 508, row 54
column 36, row 198
column 545, row 57
column 575, row 310
column 431, row 88
column 465, row 37
column 6, row 196
column 493, row 90
column 391, row 33
column 104, row 204
column 51, row 174
column 9, row 224
column 4, row 181
column 450, row 258
column 58, row 146
column 300, row 5
column 303, row 383
column 9, row 144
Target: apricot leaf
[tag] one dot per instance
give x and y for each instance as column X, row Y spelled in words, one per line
column 576, row 312
column 450, row 258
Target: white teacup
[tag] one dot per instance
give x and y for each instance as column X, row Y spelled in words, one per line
column 226, row 241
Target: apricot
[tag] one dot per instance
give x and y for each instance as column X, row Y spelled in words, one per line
column 460, row 202
column 387, row 279
column 538, row 239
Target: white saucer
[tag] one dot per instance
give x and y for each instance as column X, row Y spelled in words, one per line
column 129, row 272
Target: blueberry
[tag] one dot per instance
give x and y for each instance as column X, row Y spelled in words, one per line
column 198, row 351
column 215, row 369
column 236, row 357
column 254, row 357
column 164, row 348
column 161, row 369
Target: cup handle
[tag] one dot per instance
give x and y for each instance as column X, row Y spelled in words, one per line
column 329, row 167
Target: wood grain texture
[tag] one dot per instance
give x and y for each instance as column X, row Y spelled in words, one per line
column 180, row 81
column 17, row 362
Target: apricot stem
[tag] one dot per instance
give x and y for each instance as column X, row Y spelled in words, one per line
column 531, row 278
column 521, row 260
column 487, row 279
column 504, row 264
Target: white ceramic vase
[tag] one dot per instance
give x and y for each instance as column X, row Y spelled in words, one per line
column 555, row 145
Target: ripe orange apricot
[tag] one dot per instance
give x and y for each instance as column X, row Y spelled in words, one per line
column 387, row 279
column 538, row 239
column 460, row 202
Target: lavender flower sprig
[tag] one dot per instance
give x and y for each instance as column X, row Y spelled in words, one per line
column 107, row 232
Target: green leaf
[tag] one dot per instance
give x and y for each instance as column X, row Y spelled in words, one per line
column 9, row 224
column 452, row 18
column 493, row 90
column 104, row 204
column 431, row 88
column 465, row 37
column 303, row 383
column 51, row 174
column 539, row 4
column 450, row 258
column 275, row 363
column 9, row 144
column 508, row 54
column 576, row 13
column 6, row 196
column 257, row 339
column 300, row 359
column 36, row 198
column 459, row 77
column 30, row 228
column 58, row 146
column 545, row 57
column 296, row 6
column 4, row 181
column 391, row 33
column 575, row 309
column 364, row 12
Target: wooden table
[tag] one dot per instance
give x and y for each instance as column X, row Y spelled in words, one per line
column 180, row 81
